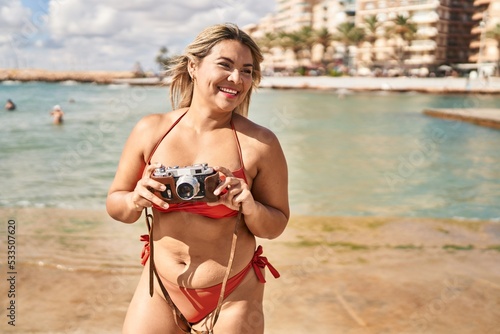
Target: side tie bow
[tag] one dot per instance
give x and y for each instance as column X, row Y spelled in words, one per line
column 259, row 261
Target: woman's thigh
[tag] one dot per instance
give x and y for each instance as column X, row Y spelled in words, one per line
column 149, row 315
column 242, row 311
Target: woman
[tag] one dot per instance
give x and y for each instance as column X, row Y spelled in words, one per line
column 57, row 115
column 9, row 105
column 193, row 241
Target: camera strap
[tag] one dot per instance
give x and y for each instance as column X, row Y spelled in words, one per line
column 176, row 312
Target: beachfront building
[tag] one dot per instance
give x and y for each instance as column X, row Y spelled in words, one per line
column 329, row 14
column 292, row 15
column 441, row 33
column 454, row 32
column 398, row 50
column 411, row 36
column 484, row 51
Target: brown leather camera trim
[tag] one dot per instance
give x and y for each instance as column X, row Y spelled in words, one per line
column 211, row 183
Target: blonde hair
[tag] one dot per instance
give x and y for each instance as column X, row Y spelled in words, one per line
column 181, row 87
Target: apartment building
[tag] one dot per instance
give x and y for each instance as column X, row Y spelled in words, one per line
column 292, row 15
column 454, row 31
column 449, row 32
column 330, row 13
column 483, row 51
column 443, row 31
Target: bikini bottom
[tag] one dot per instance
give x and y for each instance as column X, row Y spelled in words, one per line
column 196, row 304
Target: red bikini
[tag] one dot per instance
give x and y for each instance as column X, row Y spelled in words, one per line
column 196, row 304
column 201, row 208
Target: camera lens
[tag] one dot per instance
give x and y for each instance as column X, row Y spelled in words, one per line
column 187, row 187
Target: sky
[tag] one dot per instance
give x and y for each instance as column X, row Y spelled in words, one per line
column 110, row 34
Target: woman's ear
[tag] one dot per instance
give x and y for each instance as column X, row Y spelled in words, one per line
column 191, row 67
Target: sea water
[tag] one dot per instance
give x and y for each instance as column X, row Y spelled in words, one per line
column 348, row 154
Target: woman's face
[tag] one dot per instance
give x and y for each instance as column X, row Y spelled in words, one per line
column 224, row 76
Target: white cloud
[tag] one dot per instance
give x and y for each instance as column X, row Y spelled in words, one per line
column 12, row 14
column 114, row 34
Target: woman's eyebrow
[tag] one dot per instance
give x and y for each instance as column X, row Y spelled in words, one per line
column 232, row 62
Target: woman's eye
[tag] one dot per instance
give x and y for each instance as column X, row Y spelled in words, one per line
column 247, row 71
column 225, row 65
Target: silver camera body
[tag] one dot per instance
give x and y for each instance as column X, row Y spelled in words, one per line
column 190, row 183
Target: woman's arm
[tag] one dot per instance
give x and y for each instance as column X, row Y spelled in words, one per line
column 128, row 193
column 268, row 217
column 265, row 206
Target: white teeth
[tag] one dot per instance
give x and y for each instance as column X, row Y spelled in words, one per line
column 229, row 91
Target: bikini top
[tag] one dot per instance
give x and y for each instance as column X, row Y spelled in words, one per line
column 202, row 208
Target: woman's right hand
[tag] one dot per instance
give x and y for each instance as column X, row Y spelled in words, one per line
column 143, row 196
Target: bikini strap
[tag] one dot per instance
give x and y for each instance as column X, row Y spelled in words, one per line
column 240, row 155
column 166, row 133
column 239, row 146
column 153, row 272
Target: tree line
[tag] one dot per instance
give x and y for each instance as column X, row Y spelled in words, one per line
column 402, row 31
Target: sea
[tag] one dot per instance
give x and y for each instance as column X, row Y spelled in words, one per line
column 348, row 153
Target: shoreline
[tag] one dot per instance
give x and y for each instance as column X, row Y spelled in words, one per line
column 342, row 85
column 350, row 274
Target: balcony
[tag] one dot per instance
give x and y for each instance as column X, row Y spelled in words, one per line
column 420, row 46
column 481, row 2
column 475, row 44
column 477, row 16
column 406, row 4
column 421, row 60
column 476, row 30
column 427, row 32
column 426, row 18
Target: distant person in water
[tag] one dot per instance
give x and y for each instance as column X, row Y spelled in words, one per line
column 57, row 115
column 10, row 105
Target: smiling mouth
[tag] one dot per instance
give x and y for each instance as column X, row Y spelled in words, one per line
column 229, row 91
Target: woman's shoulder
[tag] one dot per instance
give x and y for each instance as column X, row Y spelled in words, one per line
column 154, row 122
column 253, row 131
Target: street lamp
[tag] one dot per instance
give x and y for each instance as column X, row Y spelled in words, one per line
column 482, row 24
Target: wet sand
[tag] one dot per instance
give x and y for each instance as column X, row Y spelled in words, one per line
column 339, row 275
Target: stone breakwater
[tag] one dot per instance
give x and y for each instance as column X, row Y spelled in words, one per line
column 483, row 117
column 100, row 77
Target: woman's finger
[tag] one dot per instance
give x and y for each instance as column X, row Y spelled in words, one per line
column 226, row 172
column 144, row 191
column 229, row 183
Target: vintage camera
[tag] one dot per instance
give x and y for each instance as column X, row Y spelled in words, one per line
column 194, row 183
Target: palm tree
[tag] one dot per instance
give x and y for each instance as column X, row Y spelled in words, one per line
column 405, row 31
column 495, row 34
column 324, row 38
column 162, row 58
column 295, row 41
column 372, row 24
column 349, row 35
column 308, row 39
column 268, row 41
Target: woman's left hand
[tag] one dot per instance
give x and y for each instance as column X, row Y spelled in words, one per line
column 233, row 192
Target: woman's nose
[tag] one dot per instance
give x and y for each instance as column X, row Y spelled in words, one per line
column 235, row 76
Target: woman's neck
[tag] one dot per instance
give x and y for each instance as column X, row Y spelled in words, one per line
column 205, row 119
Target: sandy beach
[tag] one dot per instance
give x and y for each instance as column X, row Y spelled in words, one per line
column 343, row 85
column 339, row 274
